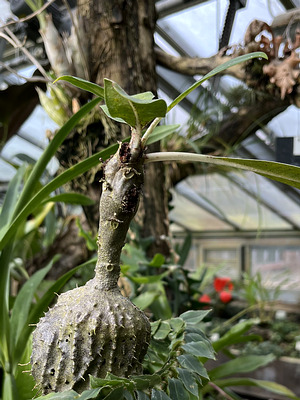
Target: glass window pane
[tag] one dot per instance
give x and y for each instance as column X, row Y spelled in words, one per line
column 279, row 268
column 225, row 262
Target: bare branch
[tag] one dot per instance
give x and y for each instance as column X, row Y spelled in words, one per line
column 32, row 79
column 27, row 53
column 197, row 66
column 30, row 16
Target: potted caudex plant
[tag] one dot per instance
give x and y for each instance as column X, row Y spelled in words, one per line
column 93, row 341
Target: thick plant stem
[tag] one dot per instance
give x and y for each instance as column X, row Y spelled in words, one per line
column 123, row 178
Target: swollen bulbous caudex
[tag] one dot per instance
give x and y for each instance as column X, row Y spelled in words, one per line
column 88, row 332
column 93, row 329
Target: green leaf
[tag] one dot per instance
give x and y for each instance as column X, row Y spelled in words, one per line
column 143, row 382
column 188, row 380
column 89, row 394
column 157, row 261
column 159, row 395
column 200, row 349
column 60, row 180
column 28, row 203
column 110, row 380
column 71, row 198
column 11, row 197
column 23, row 301
column 69, row 395
column 24, row 380
column 163, row 331
column 154, row 326
column 194, row 317
column 161, row 132
column 192, row 363
column 127, row 395
column 136, row 110
column 234, row 334
column 267, row 385
column 147, row 279
column 177, row 324
column 83, row 84
column 215, row 71
column 177, row 390
column 91, row 242
column 241, row 364
column 285, row 173
column 145, row 299
column 116, row 394
column 141, row 395
column 49, row 152
column 185, row 250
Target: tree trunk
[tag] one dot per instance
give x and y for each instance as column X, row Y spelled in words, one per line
column 122, row 49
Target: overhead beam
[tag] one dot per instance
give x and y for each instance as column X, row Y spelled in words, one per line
column 167, row 7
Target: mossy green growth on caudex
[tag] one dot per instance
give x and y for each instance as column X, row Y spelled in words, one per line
column 93, row 330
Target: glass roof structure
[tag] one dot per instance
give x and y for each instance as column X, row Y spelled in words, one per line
column 229, row 201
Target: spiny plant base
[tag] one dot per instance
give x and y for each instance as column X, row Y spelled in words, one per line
column 93, row 330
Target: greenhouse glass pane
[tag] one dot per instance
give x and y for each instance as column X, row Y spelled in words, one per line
column 233, row 202
column 269, row 193
column 264, row 10
column 197, row 38
column 279, row 268
column 187, row 214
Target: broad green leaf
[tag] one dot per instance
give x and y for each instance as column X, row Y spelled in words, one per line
column 110, row 380
column 197, row 337
column 177, row 324
column 147, row 279
column 163, row 331
column 142, row 382
column 188, row 380
column 69, row 395
column 194, row 317
column 154, row 326
column 106, row 111
column 267, row 385
column 141, row 395
column 134, row 110
column 216, row 71
column 83, row 84
column 145, row 299
column 157, row 261
column 159, row 395
column 127, row 395
column 89, row 394
column 240, row 365
column 23, row 301
column 192, row 363
column 185, row 249
column 70, row 198
column 160, row 307
column 42, row 305
column 177, row 390
column 285, row 173
column 234, row 334
column 161, row 132
column 200, row 349
column 116, row 394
